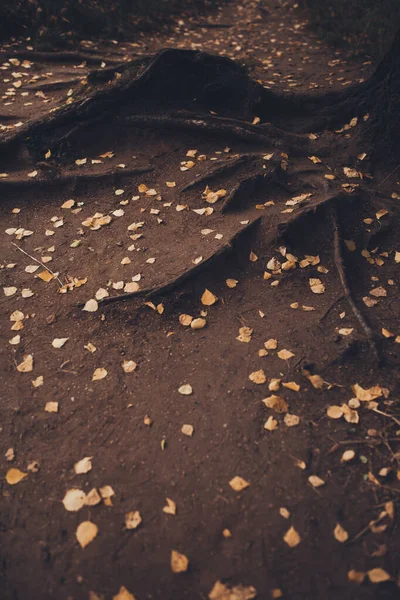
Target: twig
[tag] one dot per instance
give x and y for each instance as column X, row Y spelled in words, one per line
column 386, row 415
column 39, row 263
column 174, row 283
column 339, row 262
column 326, row 313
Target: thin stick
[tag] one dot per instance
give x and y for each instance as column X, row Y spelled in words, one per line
column 386, row 415
column 339, row 262
column 39, row 263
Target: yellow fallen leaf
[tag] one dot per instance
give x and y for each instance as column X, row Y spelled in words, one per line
column 91, row 305
column 245, row 334
column 208, row 298
column 271, row 344
column 74, row 500
column 316, row 481
column 170, row 508
column 123, row 594
column 378, row 575
column 292, row 538
column 98, row 374
column 316, row 285
column 45, row 276
column 185, row 320
column 14, row 476
column 366, row 395
column 129, row 366
column 231, row 283
column 221, row 591
column 278, row 403
column 356, row 576
column 334, row 412
column 291, row 385
column 316, row 381
column 340, row 533
column 133, row 519
column 185, row 389
column 347, row 456
column 238, row 483
column 26, row 366
column 187, row 430
column 271, row 424
column 285, row 354
column 291, row 420
column 93, row 498
column 86, row 532
column 258, row 377
column 199, row 323
column 83, row 466
column 179, row 562
column 51, row 407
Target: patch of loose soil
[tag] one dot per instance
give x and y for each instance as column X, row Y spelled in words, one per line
column 105, row 210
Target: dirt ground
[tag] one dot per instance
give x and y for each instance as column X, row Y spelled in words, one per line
column 255, row 456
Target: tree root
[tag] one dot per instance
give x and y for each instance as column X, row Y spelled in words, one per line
column 227, row 167
column 183, row 277
column 339, row 262
column 53, row 176
column 242, row 191
column 59, row 57
column 234, row 128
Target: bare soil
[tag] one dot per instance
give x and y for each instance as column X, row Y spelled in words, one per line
column 130, row 423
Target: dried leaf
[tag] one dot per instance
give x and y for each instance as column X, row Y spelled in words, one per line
column 292, row 538
column 334, row 412
column 179, row 562
column 74, row 500
column 208, row 298
column 129, row 366
column 51, row 407
column 221, row 591
column 186, row 389
column 98, row 374
column 356, row 576
column 198, row 323
column 378, row 575
column 91, row 305
column 238, row 484
column 285, row 354
column 258, row 377
column 59, row 342
column 14, row 476
column 245, row 334
column 86, row 532
column 271, row 424
column 133, row 520
column 316, row 285
column 123, row 594
column 187, row 430
column 26, row 366
column 170, row 508
column 83, row 466
column 316, row 481
column 340, row 533
column 366, row 395
column 291, row 420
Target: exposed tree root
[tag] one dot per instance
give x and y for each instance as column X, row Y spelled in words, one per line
column 183, row 277
column 339, row 262
column 226, row 168
column 59, row 57
column 242, row 191
column 52, row 175
column 239, row 130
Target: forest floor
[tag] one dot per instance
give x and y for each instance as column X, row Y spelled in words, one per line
column 254, row 456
